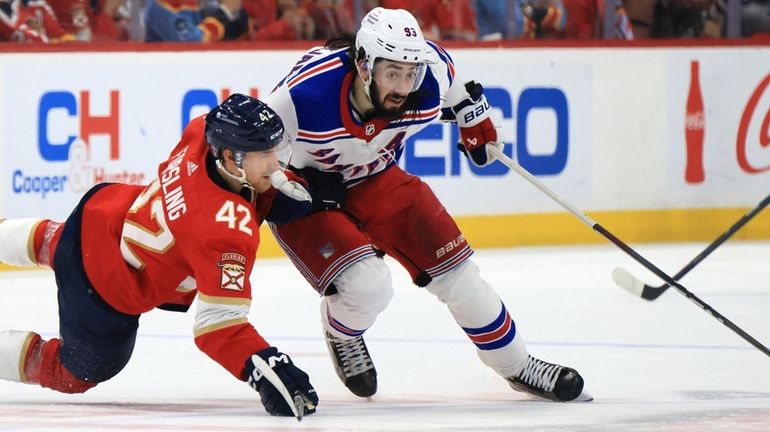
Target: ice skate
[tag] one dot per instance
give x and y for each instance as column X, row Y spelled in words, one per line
column 549, row 381
column 353, row 364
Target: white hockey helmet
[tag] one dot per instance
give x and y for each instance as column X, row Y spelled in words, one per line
column 393, row 34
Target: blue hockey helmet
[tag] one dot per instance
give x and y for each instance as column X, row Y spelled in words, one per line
column 243, row 124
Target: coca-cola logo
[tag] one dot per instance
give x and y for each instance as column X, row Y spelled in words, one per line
column 763, row 138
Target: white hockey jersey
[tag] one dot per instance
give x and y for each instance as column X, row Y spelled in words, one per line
column 313, row 101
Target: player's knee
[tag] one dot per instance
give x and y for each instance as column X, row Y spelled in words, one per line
column 366, row 283
column 459, row 284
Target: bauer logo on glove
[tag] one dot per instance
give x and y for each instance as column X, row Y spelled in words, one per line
column 477, row 130
column 478, row 111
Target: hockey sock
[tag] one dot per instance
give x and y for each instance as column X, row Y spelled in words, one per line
column 45, row 239
column 478, row 310
column 17, row 241
column 42, row 366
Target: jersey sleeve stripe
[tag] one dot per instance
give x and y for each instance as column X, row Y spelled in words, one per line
column 420, row 118
column 422, row 115
column 218, row 315
column 224, row 300
column 200, row 331
column 315, row 70
column 446, row 58
column 324, row 140
column 325, row 135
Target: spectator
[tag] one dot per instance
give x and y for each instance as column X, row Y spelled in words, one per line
column 441, row 19
column 330, row 19
column 755, row 19
column 520, row 19
column 492, row 19
column 453, row 19
column 641, row 13
column 30, row 21
column 585, row 19
column 539, row 19
column 680, row 18
column 358, row 8
column 279, row 20
column 93, row 20
column 420, row 9
column 190, row 21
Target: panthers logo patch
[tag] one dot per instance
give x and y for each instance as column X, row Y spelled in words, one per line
column 233, row 271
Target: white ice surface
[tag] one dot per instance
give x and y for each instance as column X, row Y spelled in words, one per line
column 651, row 366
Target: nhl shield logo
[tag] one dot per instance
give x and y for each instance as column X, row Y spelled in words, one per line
column 233, row 271
column 369, row 129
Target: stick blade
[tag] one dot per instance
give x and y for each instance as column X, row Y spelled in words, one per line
column 627, row 281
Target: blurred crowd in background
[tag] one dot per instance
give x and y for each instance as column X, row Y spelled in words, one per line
column 57, row 21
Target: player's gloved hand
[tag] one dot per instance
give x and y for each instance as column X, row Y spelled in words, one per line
column 293, row 188
column 292, row 201
column 269, row 365
column 477, row 131
column 326, row 188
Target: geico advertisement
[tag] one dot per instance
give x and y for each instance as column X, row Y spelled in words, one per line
column 544, row 109
column 114, row 117
column 719, row 129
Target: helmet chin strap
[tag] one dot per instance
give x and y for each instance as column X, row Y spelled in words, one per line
column 367, row 81
column 241, row 178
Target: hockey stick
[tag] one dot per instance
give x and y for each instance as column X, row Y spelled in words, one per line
column 296, row 403
column 637, row 287
column 627, row 249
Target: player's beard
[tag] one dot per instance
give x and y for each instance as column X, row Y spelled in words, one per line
column 380, row 112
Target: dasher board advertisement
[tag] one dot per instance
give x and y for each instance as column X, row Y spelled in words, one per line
column 642, row 135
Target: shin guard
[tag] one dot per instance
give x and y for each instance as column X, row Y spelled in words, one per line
column 483, row 317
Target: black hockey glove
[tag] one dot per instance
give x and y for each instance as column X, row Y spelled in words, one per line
column 292, row 200
column 326, row 188
column 268, row 365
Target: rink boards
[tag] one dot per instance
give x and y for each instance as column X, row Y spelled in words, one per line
column 605, row 128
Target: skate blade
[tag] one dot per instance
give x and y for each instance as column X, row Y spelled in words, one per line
column 584, row 397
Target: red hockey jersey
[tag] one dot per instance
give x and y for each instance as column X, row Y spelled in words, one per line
column 179, row 236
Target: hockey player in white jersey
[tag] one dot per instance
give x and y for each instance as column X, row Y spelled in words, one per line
column 348, row 108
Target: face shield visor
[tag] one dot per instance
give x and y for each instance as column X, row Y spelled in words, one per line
column 283, row 152
column 398, row 77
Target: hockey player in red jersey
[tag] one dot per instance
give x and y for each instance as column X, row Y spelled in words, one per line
column 192, row 232
column 349, row 106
